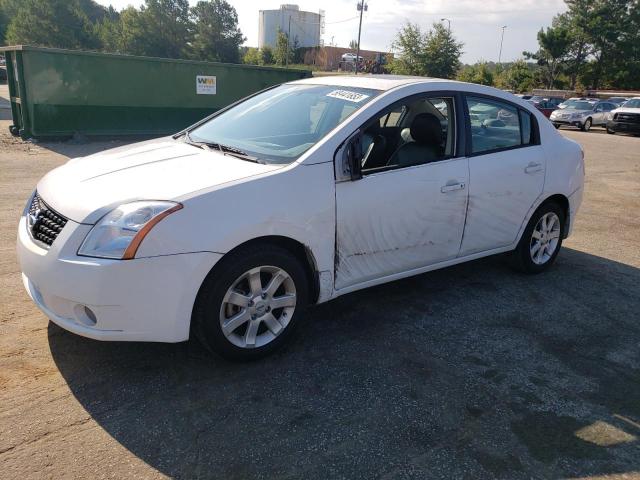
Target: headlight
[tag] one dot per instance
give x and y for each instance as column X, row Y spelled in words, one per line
column 119, row 233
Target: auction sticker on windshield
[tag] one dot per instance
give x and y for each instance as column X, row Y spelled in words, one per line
column 205, row 85
column 347, row 95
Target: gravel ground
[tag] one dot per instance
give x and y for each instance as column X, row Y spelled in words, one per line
column 469, row 372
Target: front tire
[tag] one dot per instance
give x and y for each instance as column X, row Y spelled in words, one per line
column 541, row 240
column 249, row 305
column 611, row 132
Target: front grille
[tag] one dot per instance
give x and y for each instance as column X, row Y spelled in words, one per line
column 44, row 223
column 627, row 117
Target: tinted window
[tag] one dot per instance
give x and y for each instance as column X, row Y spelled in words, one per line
column 496, row 125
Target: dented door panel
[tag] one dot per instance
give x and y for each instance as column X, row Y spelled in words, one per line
column 503, row 187
column 397, row 220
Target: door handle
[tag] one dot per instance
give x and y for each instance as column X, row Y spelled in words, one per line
column 533, row 168
column 453, row 187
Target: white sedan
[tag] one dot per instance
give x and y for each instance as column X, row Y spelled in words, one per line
column 294, row 196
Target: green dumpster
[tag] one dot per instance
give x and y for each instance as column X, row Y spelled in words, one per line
column 57, row 93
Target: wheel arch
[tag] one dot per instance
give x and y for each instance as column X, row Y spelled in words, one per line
column 299, row 250
column 563, row 202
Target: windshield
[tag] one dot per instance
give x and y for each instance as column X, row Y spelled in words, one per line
column 635, row 103
column 580, row 106
column 280, row 124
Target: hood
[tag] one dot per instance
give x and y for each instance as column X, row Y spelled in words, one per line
column 626, row 110
column 571, row 111
column 85, row 189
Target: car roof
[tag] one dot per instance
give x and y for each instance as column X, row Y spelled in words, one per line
column 375, row 82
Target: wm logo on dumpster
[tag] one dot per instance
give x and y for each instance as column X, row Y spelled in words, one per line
column 206, row 85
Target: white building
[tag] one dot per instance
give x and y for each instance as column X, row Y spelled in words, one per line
column 305, row 26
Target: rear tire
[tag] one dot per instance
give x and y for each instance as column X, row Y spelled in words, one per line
column 557, row 125
column 541, row 240
column 250, row 303
column 586, row 126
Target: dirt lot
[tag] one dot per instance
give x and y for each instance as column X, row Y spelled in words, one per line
column 470, row 372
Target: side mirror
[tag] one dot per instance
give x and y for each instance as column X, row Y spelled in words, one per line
column 348, row 159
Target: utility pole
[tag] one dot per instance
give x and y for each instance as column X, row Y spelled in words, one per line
column 362, row 7
column 501, row 39
column 288, row 37
column 448, row 21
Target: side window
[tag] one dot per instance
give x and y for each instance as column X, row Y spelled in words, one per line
column 412, row 133
column 496, row 125
column 600, row 108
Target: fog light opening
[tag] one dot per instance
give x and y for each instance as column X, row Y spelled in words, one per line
column 85, row 315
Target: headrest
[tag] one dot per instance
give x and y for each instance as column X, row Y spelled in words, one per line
column 426, row 129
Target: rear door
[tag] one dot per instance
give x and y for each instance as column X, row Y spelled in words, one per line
column 506, row 172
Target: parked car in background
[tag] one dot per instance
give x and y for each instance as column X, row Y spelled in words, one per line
column 625, row 118
column 535, row 99
column 351, row 57
column 617, row 100
column 574, row 100
column 583, row 115
column 546, row 107
column 146, row 243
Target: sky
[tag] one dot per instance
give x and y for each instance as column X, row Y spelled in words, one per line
column 476, row 23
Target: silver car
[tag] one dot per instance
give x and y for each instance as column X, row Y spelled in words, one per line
column 583, row 115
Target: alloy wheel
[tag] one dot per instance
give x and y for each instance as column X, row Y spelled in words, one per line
column 545, row 238
column 258, row 306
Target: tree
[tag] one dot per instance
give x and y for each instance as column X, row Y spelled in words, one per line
column 167, row 27
column 282, row 53
column 216, row 33
column 517, row 77
column 267, row 55
column 353, row 44
column 554, row 46
column 441, row 52
column 50, row 23
column 603, row 48
column 409, row 43
column 252, row 57
column 435, row 54
column 129, row 34
column 478, row 73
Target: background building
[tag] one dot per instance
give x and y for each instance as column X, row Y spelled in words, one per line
column 305, row 26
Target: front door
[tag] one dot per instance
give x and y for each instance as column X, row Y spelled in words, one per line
column 408, row 209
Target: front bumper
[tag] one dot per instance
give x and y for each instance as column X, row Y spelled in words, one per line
column 623, row 126
column 567, row 122
column 144, row 299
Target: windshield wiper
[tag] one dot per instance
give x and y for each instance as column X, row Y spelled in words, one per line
column 224, row 149
column 188, row 141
